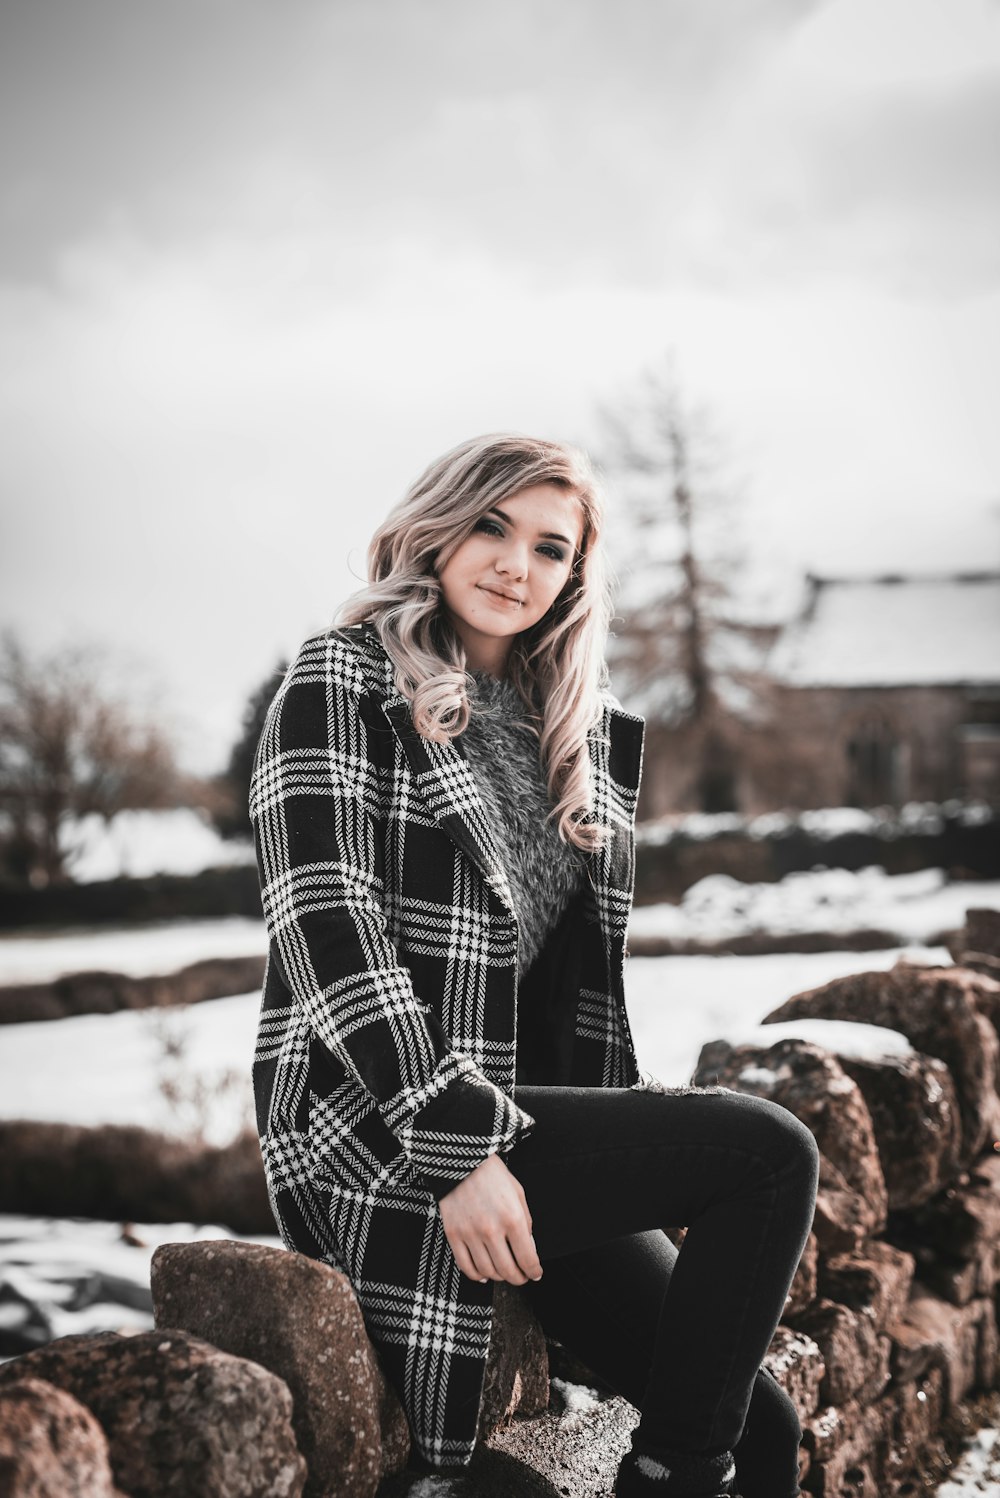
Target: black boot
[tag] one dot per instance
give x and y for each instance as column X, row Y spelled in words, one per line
column 681, row 1474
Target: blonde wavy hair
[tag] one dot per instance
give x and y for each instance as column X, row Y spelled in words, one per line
column 557, row 665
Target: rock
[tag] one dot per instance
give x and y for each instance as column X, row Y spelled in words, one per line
column 954, row 1280
column 50, row 1445
column 107, row 992
column 960, row 1340
column 573, row 1450
column 841, row 1219
column 977, row 944
column 180, row 1417
column 126, row 1173
column 985, row 984
column 300, row 1319
column 916, row 1412
column 951, row 1280
column 874, row 1280
column 825, row 1432
column 797, row 1364
column 810, row 1083
column 855, row 1356
column 936, row 1009
column 962, row 1222
column 918, row 1129
column 803, row 1288
column 517, row 1371
column 848, row 1449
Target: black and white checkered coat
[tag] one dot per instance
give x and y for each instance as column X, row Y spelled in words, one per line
column 386, row 1049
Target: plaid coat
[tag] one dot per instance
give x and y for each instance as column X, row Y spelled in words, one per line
column 385, row 1058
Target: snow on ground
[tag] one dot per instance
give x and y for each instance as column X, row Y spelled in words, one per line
column 676, row 1004
column 977, row 1473
column 913, row 907
column 81, row 1276
column 138, row 844
column 181, row 1070
column 917, row 907
column 577, row 1399
column 160, row 947
column 824, row 822
column 119, row 1068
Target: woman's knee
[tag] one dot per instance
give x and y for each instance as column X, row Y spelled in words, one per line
column 783, row 1140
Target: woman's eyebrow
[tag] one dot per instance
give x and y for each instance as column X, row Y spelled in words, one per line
column 546, row 535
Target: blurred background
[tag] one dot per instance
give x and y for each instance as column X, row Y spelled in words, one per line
column 259, row 265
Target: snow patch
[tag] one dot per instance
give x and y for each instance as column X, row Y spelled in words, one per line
column 851, row 1038
column 978, row 1471
column 823, row 823
column 184, row 1070
column 129, row 1067
column 79, row 1275
column 762, row 1076
column 160, row 947
column 139, row 844
column 912, row 907
column 578, row 1400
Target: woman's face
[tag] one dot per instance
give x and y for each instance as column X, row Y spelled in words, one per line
column 507, row 574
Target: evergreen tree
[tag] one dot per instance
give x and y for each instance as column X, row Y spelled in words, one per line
column 234, row 820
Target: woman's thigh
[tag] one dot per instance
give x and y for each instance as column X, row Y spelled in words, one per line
column 604, row 1163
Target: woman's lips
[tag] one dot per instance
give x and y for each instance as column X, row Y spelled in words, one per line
column 505, row 598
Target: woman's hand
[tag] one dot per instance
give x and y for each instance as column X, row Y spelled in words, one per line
column 488, row 1225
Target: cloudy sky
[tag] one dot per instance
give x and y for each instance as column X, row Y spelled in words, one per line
column 260, row 262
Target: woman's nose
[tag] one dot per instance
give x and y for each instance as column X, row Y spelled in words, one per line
column 513, row 562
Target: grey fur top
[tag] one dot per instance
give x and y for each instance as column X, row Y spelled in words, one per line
column 543, row 871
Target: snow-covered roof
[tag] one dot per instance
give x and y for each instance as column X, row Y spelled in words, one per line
column 894, row 631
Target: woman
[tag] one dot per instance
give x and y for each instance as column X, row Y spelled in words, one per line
column 447, row 1091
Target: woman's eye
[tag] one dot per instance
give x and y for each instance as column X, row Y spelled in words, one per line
column 553, row 552
column 489, row 527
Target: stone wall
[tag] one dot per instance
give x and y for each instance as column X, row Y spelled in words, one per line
column 892, row 1320
column 260, row 1380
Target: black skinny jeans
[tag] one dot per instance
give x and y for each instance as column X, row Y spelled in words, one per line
column 680, row 1335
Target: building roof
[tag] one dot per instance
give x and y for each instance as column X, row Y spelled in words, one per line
column 894, row 631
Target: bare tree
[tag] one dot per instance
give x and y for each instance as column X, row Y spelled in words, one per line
column 681, row 654
column 68, row 747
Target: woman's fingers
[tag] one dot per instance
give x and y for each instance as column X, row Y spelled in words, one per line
column 506, row 1267
column 482, row 1258
column 523, row 1248
column 465, row 1262
column 488, row 1225
column 493, row 1261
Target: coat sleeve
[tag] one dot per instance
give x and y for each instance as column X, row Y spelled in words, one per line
column 315, row 806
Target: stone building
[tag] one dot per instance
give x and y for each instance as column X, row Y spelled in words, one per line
column 880, row 691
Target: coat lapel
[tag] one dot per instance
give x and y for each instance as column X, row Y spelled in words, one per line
column 448, row 787
column 616, row 760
